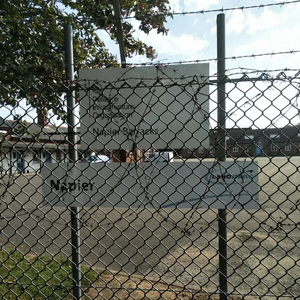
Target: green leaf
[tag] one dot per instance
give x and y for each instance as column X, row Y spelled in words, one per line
column 32, row 43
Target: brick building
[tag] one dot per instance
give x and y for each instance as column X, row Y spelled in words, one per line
column 243, row 142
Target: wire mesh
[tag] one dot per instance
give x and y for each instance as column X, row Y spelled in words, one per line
column 142, row 237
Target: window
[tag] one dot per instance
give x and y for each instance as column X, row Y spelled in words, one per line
column 274, row 136
column 235, row 149
column 288, row 147
column 57, row 155
column 36, row 155
column 249, row 137
column 47, row 156
column 274, row 148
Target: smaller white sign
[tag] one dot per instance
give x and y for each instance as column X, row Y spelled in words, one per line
column 159, row 185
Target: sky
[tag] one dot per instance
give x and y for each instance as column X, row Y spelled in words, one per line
column 255, row 31
column 248, row 31
column 260, row 30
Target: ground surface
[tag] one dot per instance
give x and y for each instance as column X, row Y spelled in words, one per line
column 178, row 247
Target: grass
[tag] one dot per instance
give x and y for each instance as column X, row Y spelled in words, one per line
column 38, row 277
column 50, row 277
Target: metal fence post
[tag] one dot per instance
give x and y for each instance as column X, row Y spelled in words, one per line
column 118, row 24
column 221, row 155
column 72, row 143
column 120, row 38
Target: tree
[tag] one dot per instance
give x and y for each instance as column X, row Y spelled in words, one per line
column 32, row 43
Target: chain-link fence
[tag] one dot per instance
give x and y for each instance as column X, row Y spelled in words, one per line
column 149, row 181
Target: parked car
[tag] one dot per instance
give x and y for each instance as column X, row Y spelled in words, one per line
column 161, row 157
column 97, row 159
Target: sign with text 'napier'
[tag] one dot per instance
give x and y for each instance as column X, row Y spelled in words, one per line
column 162, row 185
column 160, row 107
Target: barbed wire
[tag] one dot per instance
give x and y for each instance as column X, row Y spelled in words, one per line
column 233, row 57
column 243, row 73
column 281, row 4
column 182, row 13
column 157, row 63
column 204, row 11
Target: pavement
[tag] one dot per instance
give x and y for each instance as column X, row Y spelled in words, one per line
column 179, row 247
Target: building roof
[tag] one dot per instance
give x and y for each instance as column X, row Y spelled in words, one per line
column 249, row 135
column 26, row 130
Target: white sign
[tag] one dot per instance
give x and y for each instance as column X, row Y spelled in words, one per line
column 162, row 185
column 160, row 107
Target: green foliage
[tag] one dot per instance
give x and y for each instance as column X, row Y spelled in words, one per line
column 38, row 277
column 32, row 43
